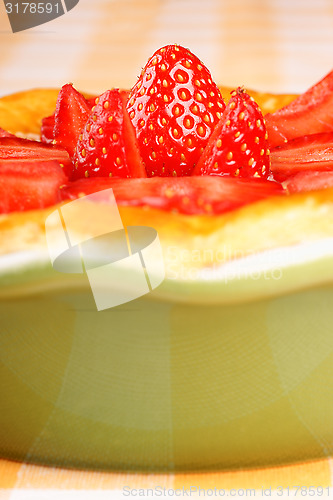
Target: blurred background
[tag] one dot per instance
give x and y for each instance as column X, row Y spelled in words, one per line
column 272, row 45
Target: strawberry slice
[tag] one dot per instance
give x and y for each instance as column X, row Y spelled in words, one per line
column 15, row 148
column 309, row 181
column 174, row 107
column 28, row 185
column 47, row 129
column 187, row 195
column 310, row 113
column 4, row 133
column 92, row 101
column 238, row 145
column 48, row 123
column 71, row 114
column 311, row 152
column 108, row 145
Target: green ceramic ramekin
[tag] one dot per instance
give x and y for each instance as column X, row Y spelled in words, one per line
column 227, row 369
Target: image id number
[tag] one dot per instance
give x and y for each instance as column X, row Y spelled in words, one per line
column 32, row 8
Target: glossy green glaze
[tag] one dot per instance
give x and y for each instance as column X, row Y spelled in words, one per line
column 161, row 384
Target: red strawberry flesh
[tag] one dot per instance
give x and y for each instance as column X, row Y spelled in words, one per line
column 311, row 152
column 309, row 181
column 48, row 123
column 4, row 133
column 188, row 195
column 15, row 148
column 70, row 117
column 310, row 113
column 47, row 129
column 27, row 185
column 106, row 138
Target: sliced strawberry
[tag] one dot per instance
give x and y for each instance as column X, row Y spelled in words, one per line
column 108, row 145
column 174, row 107
column 47, row 129
column 309, row 181
column 4, row 133
column 71, row 114
column 238, row 145
column 15, row 148
column 133, row 156
column 74, row 104
column 28, row 185
column 311, row 152
column 187, row 195
column 310, row 113
column 92, row 101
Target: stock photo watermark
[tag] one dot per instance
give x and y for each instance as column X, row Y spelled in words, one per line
column 25, row 15
column 125, row 263
column 295, row 491
column 222, row 263
column 122, row 264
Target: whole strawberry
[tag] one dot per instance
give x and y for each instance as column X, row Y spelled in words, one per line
column 239, row 144
column 174, row 108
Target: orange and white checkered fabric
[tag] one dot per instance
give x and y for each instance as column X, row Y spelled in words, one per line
column 270, row 45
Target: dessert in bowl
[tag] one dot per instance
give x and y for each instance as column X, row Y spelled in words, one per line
column 228, row 362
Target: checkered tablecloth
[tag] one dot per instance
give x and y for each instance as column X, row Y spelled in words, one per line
column 271, row 45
